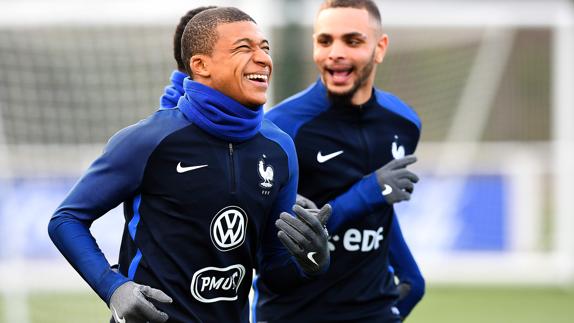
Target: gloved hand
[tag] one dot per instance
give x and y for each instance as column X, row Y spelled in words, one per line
column 306, row 238
column 396, row 181
column 305, row 202
column 129, row 304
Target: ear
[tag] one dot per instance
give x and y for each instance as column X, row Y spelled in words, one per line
column 199, row 65
column 381, row 49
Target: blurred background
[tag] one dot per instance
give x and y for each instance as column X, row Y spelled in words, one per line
column 491, row 223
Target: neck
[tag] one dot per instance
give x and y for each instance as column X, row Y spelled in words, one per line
column 362, row 96
column 363, row 93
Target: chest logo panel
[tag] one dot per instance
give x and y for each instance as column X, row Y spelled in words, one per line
column 265, row 171
column 228, row 228
column 397, row 150
column 355, row 240
column 213, row 284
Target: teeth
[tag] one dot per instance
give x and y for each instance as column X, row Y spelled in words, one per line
column 257, row 77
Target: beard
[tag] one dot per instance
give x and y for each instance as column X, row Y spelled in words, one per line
column 364, row 74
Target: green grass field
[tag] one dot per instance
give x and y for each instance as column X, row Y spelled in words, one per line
column 441, row 304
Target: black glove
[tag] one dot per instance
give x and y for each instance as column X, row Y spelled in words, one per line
column 305, row 202
column 129, row 303
column 396, row 181
column 306, row 238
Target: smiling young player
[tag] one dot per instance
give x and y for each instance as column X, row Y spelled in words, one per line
column 205, row 185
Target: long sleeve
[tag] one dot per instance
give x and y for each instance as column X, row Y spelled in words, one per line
column 406, row 269
column 113, row 178
column 362, row 199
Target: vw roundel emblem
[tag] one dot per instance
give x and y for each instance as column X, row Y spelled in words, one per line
column 228, row 228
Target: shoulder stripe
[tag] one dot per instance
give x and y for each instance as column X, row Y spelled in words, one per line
column 395, row 105
column 295, row 111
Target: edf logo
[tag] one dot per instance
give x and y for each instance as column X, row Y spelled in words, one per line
column 355, row 240
column 228, row 228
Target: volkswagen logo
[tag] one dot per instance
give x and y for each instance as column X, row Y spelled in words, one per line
column 228, row 228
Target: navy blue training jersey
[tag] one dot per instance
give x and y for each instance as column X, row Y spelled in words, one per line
column 199, row 214
column 339, row 147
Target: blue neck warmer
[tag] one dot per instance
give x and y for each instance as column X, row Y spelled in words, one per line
column 173, row 92
column 218, row 114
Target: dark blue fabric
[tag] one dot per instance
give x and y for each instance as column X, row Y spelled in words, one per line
column 406, row 269
column 394, row 104
column 173, row 92
column 314, row 99
column 364, row 135
column 363, row 197
column 218, row 114
column 110, row 180
column 140, row 167
column 285, row 201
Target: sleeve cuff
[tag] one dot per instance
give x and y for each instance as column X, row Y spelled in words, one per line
column 114, row 280
column 373, row 192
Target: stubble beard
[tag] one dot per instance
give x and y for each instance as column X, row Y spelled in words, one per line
column 346, row 97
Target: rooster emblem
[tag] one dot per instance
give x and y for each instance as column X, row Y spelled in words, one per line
column 266, row 173
column 397, row 151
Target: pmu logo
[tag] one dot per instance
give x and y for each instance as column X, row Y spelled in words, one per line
column 228, row 228
column 212, row 284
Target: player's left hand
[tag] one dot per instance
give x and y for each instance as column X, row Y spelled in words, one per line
column 306, row 237
column 131, row 302
column 396, row 181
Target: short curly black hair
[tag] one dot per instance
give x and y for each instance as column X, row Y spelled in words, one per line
column 200, row 34
column 179, row 32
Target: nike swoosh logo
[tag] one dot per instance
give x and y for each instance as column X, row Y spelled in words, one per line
column 310, row 256
column 388, row 190
column 117, row 317
column 180, row 169
column 321, row 159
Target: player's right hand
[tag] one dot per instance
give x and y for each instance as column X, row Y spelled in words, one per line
column 396, row 181
column 130, row 304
